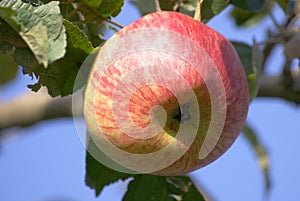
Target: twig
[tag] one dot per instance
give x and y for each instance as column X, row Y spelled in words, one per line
column 197, row 15
column 114, row 23
column 20, row 112
column 82, row 18
column 274, row 87
column 157, row 6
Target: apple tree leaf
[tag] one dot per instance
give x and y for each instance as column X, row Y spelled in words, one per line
column 208, row 8
column 99, row 9
column 94, row 3
column 110, row 8
column 10, row 36
column 261, row 153
column 254, row 5
column 144, row 6
column 41, row 27
column 60, row 76
column 142, row 187
column 251, row 58
column 248, row 13
column 160, row 188
column 211, row 8
column 8, row 67
column 98, row 175
column 77, row 38
column 283, row 5
column 246, row 17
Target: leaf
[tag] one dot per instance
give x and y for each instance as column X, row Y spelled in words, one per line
column 110, row 8
column 59, row 77
column 146, row 188
column 247, row 18
column 8, row 67
column 98, row 175
column 250, row 17
column 261, row 152
column 159, row 188
column 283, row 5
column 253, row 5
column 36, row 38
column 189, row 5
column 94, row 3
column 144, row 6
column 211, row 8
column 251, row 58
column 168, row 5
column 77, row 38
column 39, row 26
column 10, row 36
column 208, row 8
column 24, row 57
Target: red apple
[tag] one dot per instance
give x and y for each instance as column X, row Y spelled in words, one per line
column 166, row 95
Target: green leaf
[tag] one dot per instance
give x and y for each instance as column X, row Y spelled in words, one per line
column 59, row 77
column 7, row 15
column 41, row 27
column 251, row 58
column 8, row 67
column 252, row 16
column 283, row 4
column 98, row 175
column 94, row 3
column 261, row 152
column 77, row 38
column 247, row 18
column 147, row 187
column 24, row 57
column 208, row 8
column 110, row 8
column 9, row 35
column 253, row 5
column 168, row 5
column 211, row 8
column 144, row 6
column 159, row 188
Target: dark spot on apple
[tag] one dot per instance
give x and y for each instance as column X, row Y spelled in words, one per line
column 177, row 115
column 184, row 115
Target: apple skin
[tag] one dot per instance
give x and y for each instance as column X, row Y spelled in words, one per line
column 98, row 107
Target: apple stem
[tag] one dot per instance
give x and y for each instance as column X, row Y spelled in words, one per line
column 197, row 15
column 157, row 6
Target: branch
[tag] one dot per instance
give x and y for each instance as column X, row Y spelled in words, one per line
column 274, row 87
column 197, row 15
column 32, row 107
column 157, row 6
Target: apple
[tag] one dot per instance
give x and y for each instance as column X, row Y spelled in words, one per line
column 166, row 95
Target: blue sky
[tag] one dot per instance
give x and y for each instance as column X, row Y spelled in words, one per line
column 46, row 162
